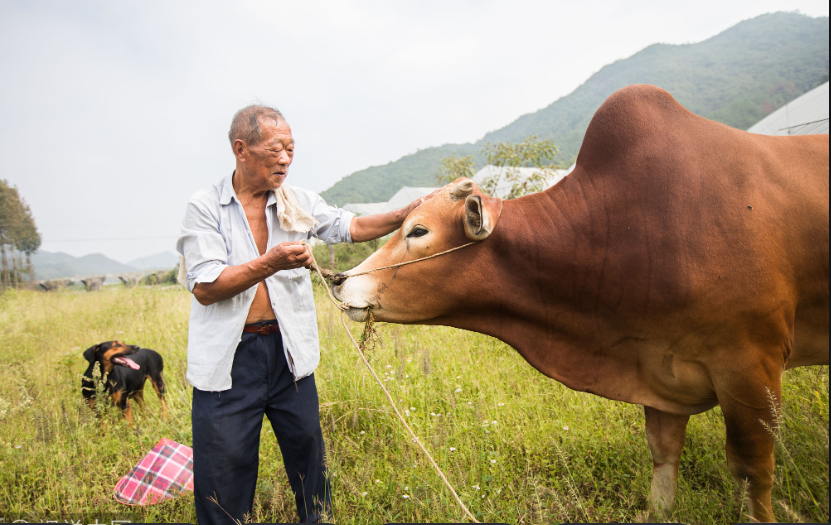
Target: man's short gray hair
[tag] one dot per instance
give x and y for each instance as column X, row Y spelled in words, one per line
column 246, row 123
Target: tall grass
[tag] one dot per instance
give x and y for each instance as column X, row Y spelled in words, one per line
column 517, row 446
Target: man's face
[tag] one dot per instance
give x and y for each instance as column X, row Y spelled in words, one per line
column 269, row 160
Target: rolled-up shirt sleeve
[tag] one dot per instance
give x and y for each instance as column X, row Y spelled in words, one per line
column 202, row 246
column 333, row 223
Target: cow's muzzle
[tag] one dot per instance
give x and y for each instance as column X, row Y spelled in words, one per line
column 339, row 279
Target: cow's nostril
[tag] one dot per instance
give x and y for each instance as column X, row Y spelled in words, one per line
column 338, row 279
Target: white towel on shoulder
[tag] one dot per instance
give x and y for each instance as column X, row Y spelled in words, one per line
column 292, row 218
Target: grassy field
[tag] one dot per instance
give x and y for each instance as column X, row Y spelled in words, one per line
column 517, row 446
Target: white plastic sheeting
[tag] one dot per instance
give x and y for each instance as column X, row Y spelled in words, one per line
column 402, row 198
column 806, row 115
column 405, row 196
column 364, row 208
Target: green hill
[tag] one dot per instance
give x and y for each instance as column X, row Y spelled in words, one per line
column 736, row 77
column 49, row 265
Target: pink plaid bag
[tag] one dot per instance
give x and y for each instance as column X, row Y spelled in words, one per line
column 163, row 473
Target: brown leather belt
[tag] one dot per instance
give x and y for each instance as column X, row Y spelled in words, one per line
column 262, row 329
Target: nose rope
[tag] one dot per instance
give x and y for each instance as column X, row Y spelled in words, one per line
column 410, row 262
column 343, row 307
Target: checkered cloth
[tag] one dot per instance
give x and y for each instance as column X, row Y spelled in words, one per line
column 164, row 472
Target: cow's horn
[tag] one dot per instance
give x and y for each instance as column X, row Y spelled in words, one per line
column 480, row 216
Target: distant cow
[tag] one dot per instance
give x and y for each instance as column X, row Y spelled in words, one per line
column 683, row 264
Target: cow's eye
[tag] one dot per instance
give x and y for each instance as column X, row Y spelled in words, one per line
column 418, row 231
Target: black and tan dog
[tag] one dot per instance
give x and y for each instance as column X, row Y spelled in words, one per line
column 124, row 376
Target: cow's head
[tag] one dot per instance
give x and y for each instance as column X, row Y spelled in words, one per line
column 458, row 214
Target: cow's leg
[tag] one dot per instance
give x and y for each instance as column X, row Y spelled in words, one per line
column 665, row 436
column 750, row 412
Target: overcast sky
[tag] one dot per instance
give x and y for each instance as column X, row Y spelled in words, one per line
column 113, row 113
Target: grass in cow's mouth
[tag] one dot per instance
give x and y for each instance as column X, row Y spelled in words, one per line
column 369, row 337
column 560, row 455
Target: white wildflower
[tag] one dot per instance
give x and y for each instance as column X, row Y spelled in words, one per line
column 452, row 449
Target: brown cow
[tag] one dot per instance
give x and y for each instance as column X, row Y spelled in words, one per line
column 683, row 264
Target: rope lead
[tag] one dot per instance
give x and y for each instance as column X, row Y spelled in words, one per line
column 342, row 307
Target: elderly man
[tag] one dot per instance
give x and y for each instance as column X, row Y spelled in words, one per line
column 252, row 340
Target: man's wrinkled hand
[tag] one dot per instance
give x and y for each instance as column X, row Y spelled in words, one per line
column 289, row 255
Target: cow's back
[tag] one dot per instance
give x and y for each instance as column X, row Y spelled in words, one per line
column 699, row 216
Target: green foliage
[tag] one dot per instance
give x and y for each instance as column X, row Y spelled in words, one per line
column 532, row 153
column 17, row 225
column 736, row 77
column 161, row 277
column 18, row 233
column 517, row 446
column 347, row 256
column 454, row 167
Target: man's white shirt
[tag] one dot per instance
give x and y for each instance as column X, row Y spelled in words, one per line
column 215, row 235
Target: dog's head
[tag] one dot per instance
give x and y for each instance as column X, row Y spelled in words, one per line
column 109, row 354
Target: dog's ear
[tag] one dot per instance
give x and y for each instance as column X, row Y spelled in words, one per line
column 89, row 353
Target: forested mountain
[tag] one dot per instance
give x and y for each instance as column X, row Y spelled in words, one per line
column 736, row 77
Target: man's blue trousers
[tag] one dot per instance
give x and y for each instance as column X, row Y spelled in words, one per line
column 226, row 435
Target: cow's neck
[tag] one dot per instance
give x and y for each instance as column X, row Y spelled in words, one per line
column 547, row 300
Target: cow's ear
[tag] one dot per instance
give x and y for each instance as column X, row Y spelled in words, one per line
column 481, row 215
column 89, row 353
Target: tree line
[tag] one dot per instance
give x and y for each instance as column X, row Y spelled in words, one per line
column 19, row 236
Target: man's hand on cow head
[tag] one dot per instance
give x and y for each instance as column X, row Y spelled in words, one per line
column 371, row 227
column 416, row 203
column 289, row 255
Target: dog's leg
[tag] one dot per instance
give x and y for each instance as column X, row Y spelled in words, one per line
column 160, row 388
column 121, row 401
column 139, row 397
column 128, row 415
